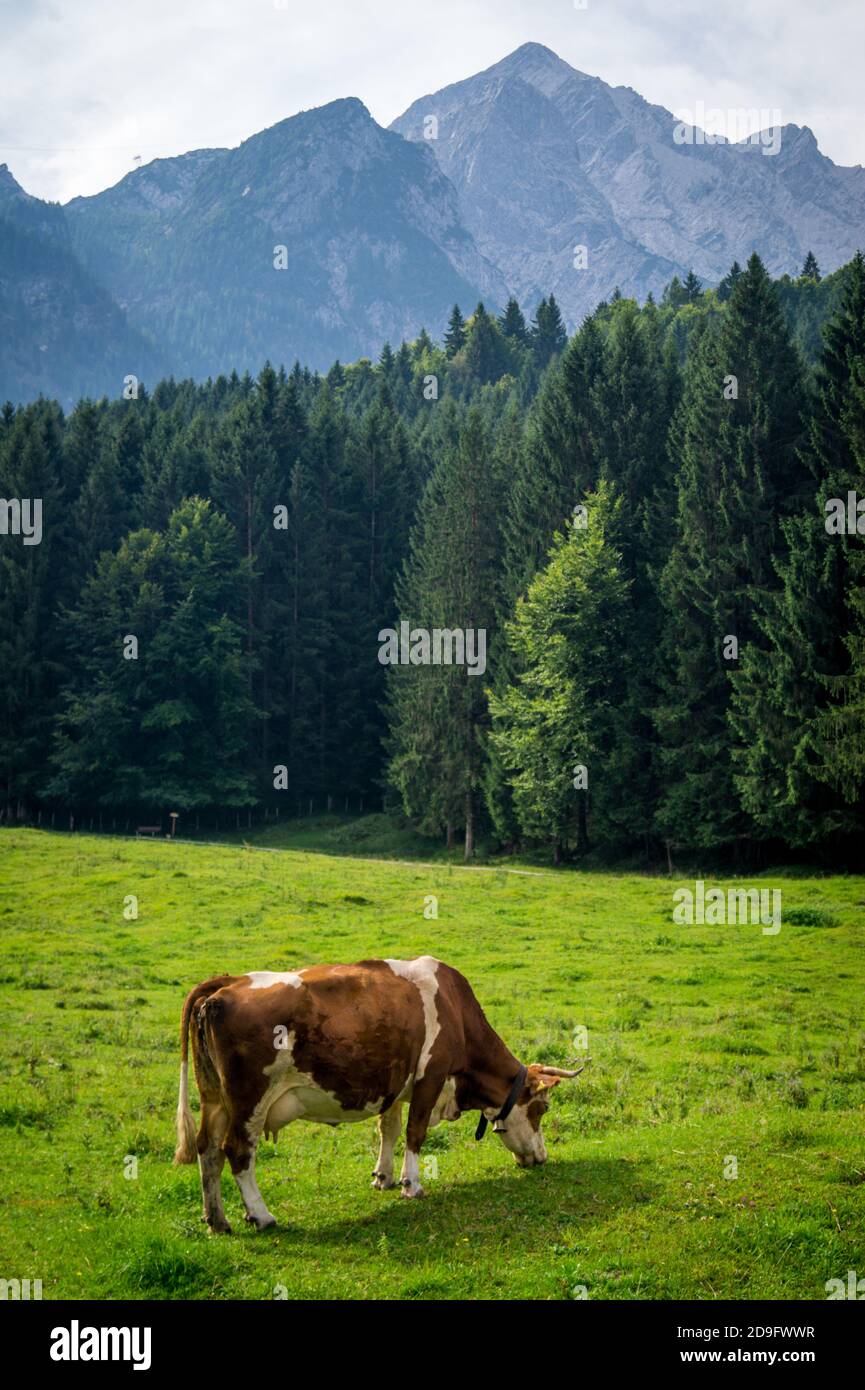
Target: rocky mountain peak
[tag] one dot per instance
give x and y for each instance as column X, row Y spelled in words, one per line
column 588, row 164
column 9, row 185
column 538, row 65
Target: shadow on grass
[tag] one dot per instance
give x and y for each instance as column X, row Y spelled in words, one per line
column 522, row 1209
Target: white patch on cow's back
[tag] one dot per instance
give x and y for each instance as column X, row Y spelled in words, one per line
column 263, row 979
column 423, row 975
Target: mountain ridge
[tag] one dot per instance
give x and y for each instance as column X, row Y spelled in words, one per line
column 536, row 166
column 673, row 206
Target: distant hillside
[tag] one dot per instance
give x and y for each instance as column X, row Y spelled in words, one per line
column 61, row 333
column 374, row 248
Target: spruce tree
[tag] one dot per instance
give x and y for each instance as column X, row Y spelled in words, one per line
column 303, row 619
column 794, row 679
column 169, row 727
column 439, row 712
column 635, row 397
column 548, row 335
column 558, row 461
column 455, row 336
column 692, row 288
column 735, row 440
column 386, row 467
column 488, row 355
column 728, row 283
column 557, row 727
column 512, row 322
column 674, row 294
column 810, row 269
column 840, row 725
column 34, row 553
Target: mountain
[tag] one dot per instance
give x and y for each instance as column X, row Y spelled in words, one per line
column 382, row 231
column 545, row 158
column 373, row 245
column 60, row 332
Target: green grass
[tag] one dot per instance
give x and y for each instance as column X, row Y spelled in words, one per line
column 705, row 1042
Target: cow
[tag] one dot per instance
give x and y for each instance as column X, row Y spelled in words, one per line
column 336, row 1044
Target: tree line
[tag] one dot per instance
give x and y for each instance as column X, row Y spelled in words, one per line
column 637, row 518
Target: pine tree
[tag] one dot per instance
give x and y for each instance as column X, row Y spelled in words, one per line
column 810, row 269
column 303, row 620
column 386, row 468
column 840, row 726
column 176, row 463
column 548, row 335
column 324, row 576
column 336, row 376
column 674, row 294
column 735, row 439
column 488, row 355
column 558, row 462
column 167, row 729
column 728, row 284
column 32, row 581
column 439, row 712
column 456, row 334
column 497, row 792
column 556, row 727
column 102, row 507
column 245, row 485
column 787, row 696
column 635, row 398
column 512, row 322
column 692, row 288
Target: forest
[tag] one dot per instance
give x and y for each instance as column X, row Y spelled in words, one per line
column 656, row 524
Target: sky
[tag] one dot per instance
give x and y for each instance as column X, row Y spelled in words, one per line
column 88, row 85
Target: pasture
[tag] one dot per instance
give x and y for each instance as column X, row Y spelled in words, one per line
column 713, row 1148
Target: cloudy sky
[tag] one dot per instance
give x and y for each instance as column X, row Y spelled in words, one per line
column 86, row 85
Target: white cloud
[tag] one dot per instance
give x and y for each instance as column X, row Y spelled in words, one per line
column 85, row 87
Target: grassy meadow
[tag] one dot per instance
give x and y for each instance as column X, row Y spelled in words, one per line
column 714, row 1050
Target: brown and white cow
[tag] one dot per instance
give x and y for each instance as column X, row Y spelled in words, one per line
column 340, row 1043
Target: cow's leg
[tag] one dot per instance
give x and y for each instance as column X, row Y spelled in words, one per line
column 388, row 1128
column 241, row 1156
column 424, row 1097
column 211, row 1159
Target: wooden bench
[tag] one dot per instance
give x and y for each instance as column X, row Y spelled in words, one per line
column 150, row 830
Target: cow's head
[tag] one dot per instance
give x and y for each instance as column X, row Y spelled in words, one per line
column 521, row 1131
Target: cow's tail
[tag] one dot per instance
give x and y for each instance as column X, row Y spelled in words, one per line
column 187, row 1150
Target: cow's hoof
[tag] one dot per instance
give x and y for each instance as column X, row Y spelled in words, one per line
column 381, row 1182
column 219, row 1228
column 411, row 1190
column 267, row 1224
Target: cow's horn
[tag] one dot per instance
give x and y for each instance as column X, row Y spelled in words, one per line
column 562, row 1071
